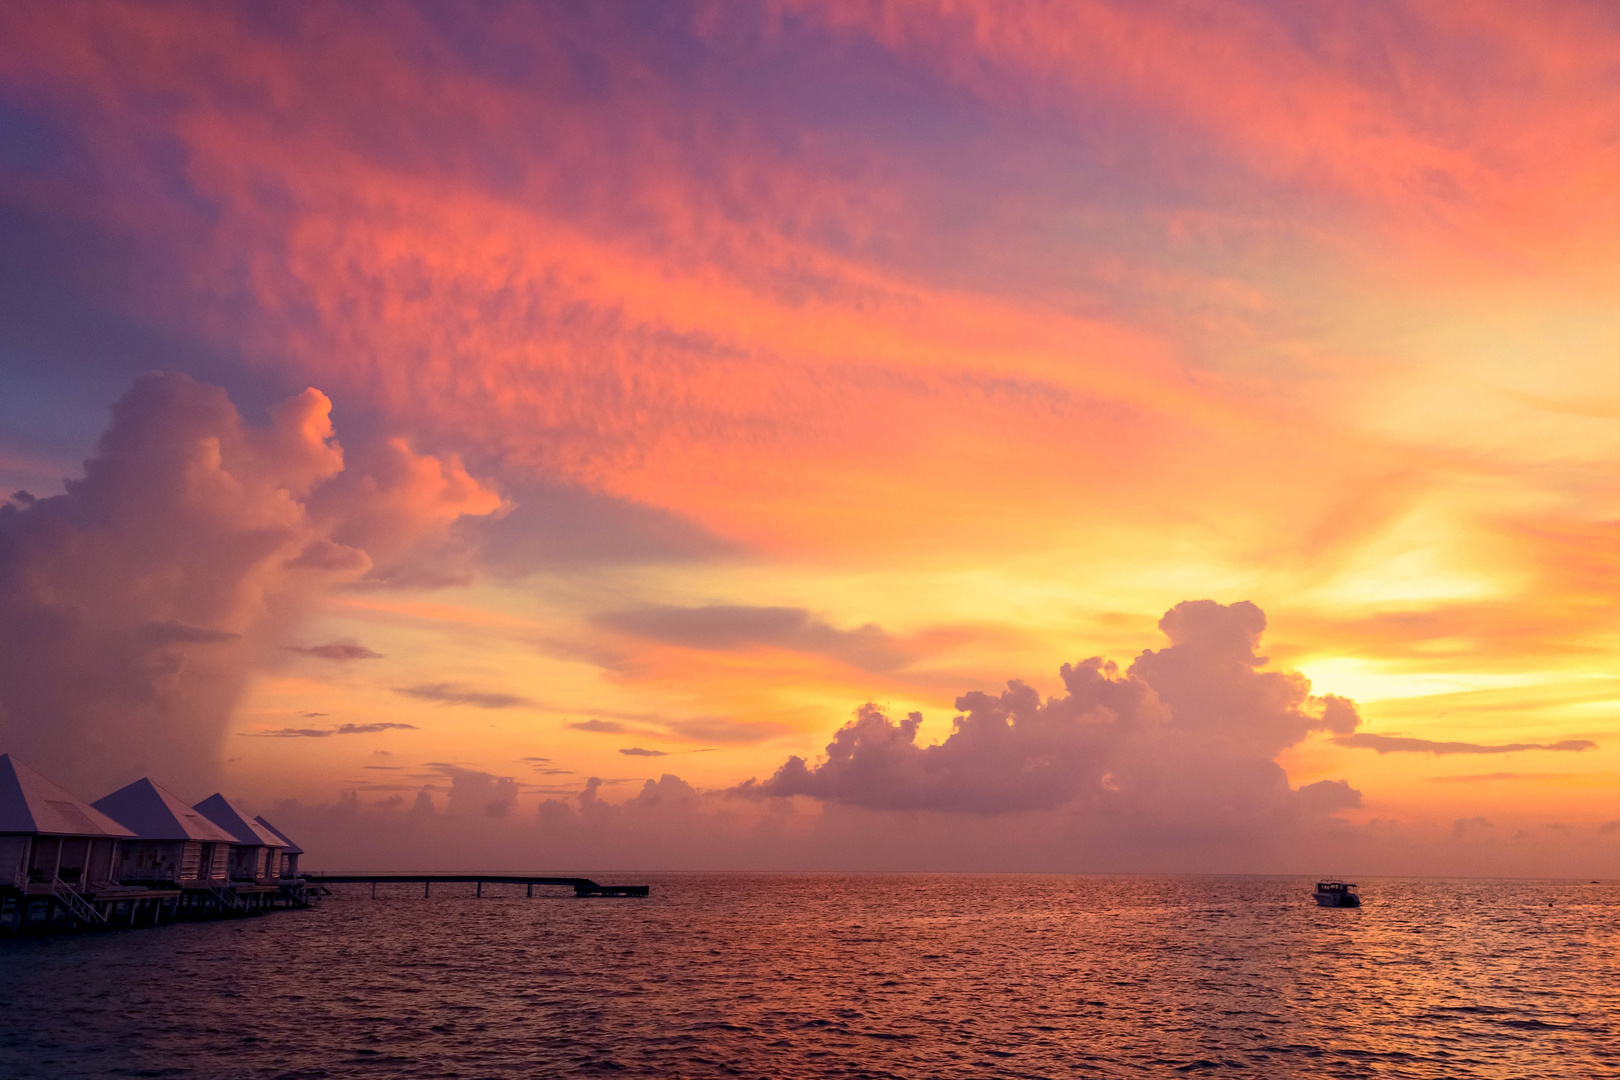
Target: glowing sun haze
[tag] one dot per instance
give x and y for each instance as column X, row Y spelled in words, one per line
column 989, row 435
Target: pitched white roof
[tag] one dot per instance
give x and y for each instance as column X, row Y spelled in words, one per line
column 292, row 848
column 222, row 812
column 29, row 803
column 156, row 813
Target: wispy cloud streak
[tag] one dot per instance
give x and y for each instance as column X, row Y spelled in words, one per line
column 341, row 729
column 1403, row 744
column 457, row 694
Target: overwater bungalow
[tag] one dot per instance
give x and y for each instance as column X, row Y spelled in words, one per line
column 255, row 850
column 51, row 836
column 60, row 860
column 173, row 843
column 137, row 857
column 289, row 854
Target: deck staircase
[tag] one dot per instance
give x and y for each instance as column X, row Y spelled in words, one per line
column 80, row 909
column 227, row 897
column 297, row 895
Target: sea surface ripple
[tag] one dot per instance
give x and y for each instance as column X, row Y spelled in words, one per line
column 832, row 975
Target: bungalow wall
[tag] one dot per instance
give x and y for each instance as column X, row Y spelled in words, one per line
column 173, row 860
column 75, row 859
column 249, row 861
column 103, row 864
column 14, row 850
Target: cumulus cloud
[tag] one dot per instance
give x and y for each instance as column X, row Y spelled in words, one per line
column 457, row 694
column 1186, row 738
column 340, row 651
column 341, row 729
column 133, row 605
column 1396, row 744
column 722, row 627
column 478, row 793
column 411, row 501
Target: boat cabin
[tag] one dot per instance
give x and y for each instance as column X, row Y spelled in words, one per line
column 50, row 836
column 1335, row 893
column 255, row 850
column 173, row 843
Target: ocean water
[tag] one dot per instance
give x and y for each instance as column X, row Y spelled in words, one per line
column 822, row 975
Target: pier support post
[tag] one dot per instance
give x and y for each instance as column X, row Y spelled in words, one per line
column 531, row 890
column 374, row 890
column 426, row 885
column 480, row 890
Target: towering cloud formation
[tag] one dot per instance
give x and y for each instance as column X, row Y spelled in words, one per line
column 132, row 605
column 1186, row 738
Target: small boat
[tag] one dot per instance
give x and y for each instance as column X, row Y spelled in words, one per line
column 1337, row 894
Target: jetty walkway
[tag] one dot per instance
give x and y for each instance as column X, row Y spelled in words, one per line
column 581, row 886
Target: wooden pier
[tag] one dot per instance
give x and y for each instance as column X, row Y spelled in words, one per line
column 581, row 886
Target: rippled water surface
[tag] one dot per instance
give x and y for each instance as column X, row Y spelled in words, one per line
column 844, row 976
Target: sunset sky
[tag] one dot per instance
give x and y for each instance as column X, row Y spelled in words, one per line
column 420, row 410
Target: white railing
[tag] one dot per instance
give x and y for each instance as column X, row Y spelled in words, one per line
column 77, row 906
column 228, row 898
